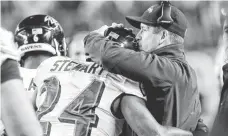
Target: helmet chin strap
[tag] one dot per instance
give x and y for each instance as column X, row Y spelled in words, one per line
column 64, row 47
column 56, row 48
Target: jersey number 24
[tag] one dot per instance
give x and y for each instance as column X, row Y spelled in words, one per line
column 81, row 111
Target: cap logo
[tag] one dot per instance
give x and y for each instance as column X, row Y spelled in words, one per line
column 150, row 9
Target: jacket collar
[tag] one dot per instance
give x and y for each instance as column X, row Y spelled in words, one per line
column 171, row 51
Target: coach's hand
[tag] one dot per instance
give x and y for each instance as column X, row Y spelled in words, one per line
column 115, row 25
column 102, row 30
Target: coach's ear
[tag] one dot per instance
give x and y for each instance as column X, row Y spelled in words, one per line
column 164, row 35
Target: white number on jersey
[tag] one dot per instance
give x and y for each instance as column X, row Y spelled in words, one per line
column 81, row 111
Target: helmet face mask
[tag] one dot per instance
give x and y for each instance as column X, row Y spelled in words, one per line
column 40, row 33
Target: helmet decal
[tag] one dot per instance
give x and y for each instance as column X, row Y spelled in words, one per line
column 51, row 21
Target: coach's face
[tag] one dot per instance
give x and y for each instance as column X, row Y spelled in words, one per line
column 148, row 38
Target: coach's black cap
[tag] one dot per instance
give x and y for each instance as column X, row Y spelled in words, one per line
column 151, row 15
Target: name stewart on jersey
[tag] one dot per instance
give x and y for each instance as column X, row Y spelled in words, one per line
column 68, row 65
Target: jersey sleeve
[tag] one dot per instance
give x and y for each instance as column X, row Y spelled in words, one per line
column 7, row 46
column 127, row 86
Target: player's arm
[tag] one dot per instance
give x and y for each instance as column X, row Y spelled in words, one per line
column 138, row 117
column 131, row 105
column 18, row 115
column 142, row 122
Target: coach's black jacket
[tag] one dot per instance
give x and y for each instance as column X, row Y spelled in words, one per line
column 168, row 81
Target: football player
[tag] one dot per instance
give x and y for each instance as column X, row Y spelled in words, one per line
column 31, row 45
column 17, row 113
column 80, row 99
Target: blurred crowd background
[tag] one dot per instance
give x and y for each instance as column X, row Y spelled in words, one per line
column 79, row 17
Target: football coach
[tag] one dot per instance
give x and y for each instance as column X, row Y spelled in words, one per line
column 160, row 66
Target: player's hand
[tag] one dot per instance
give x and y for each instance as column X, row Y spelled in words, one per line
column 173, row 131
column 101, row 30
